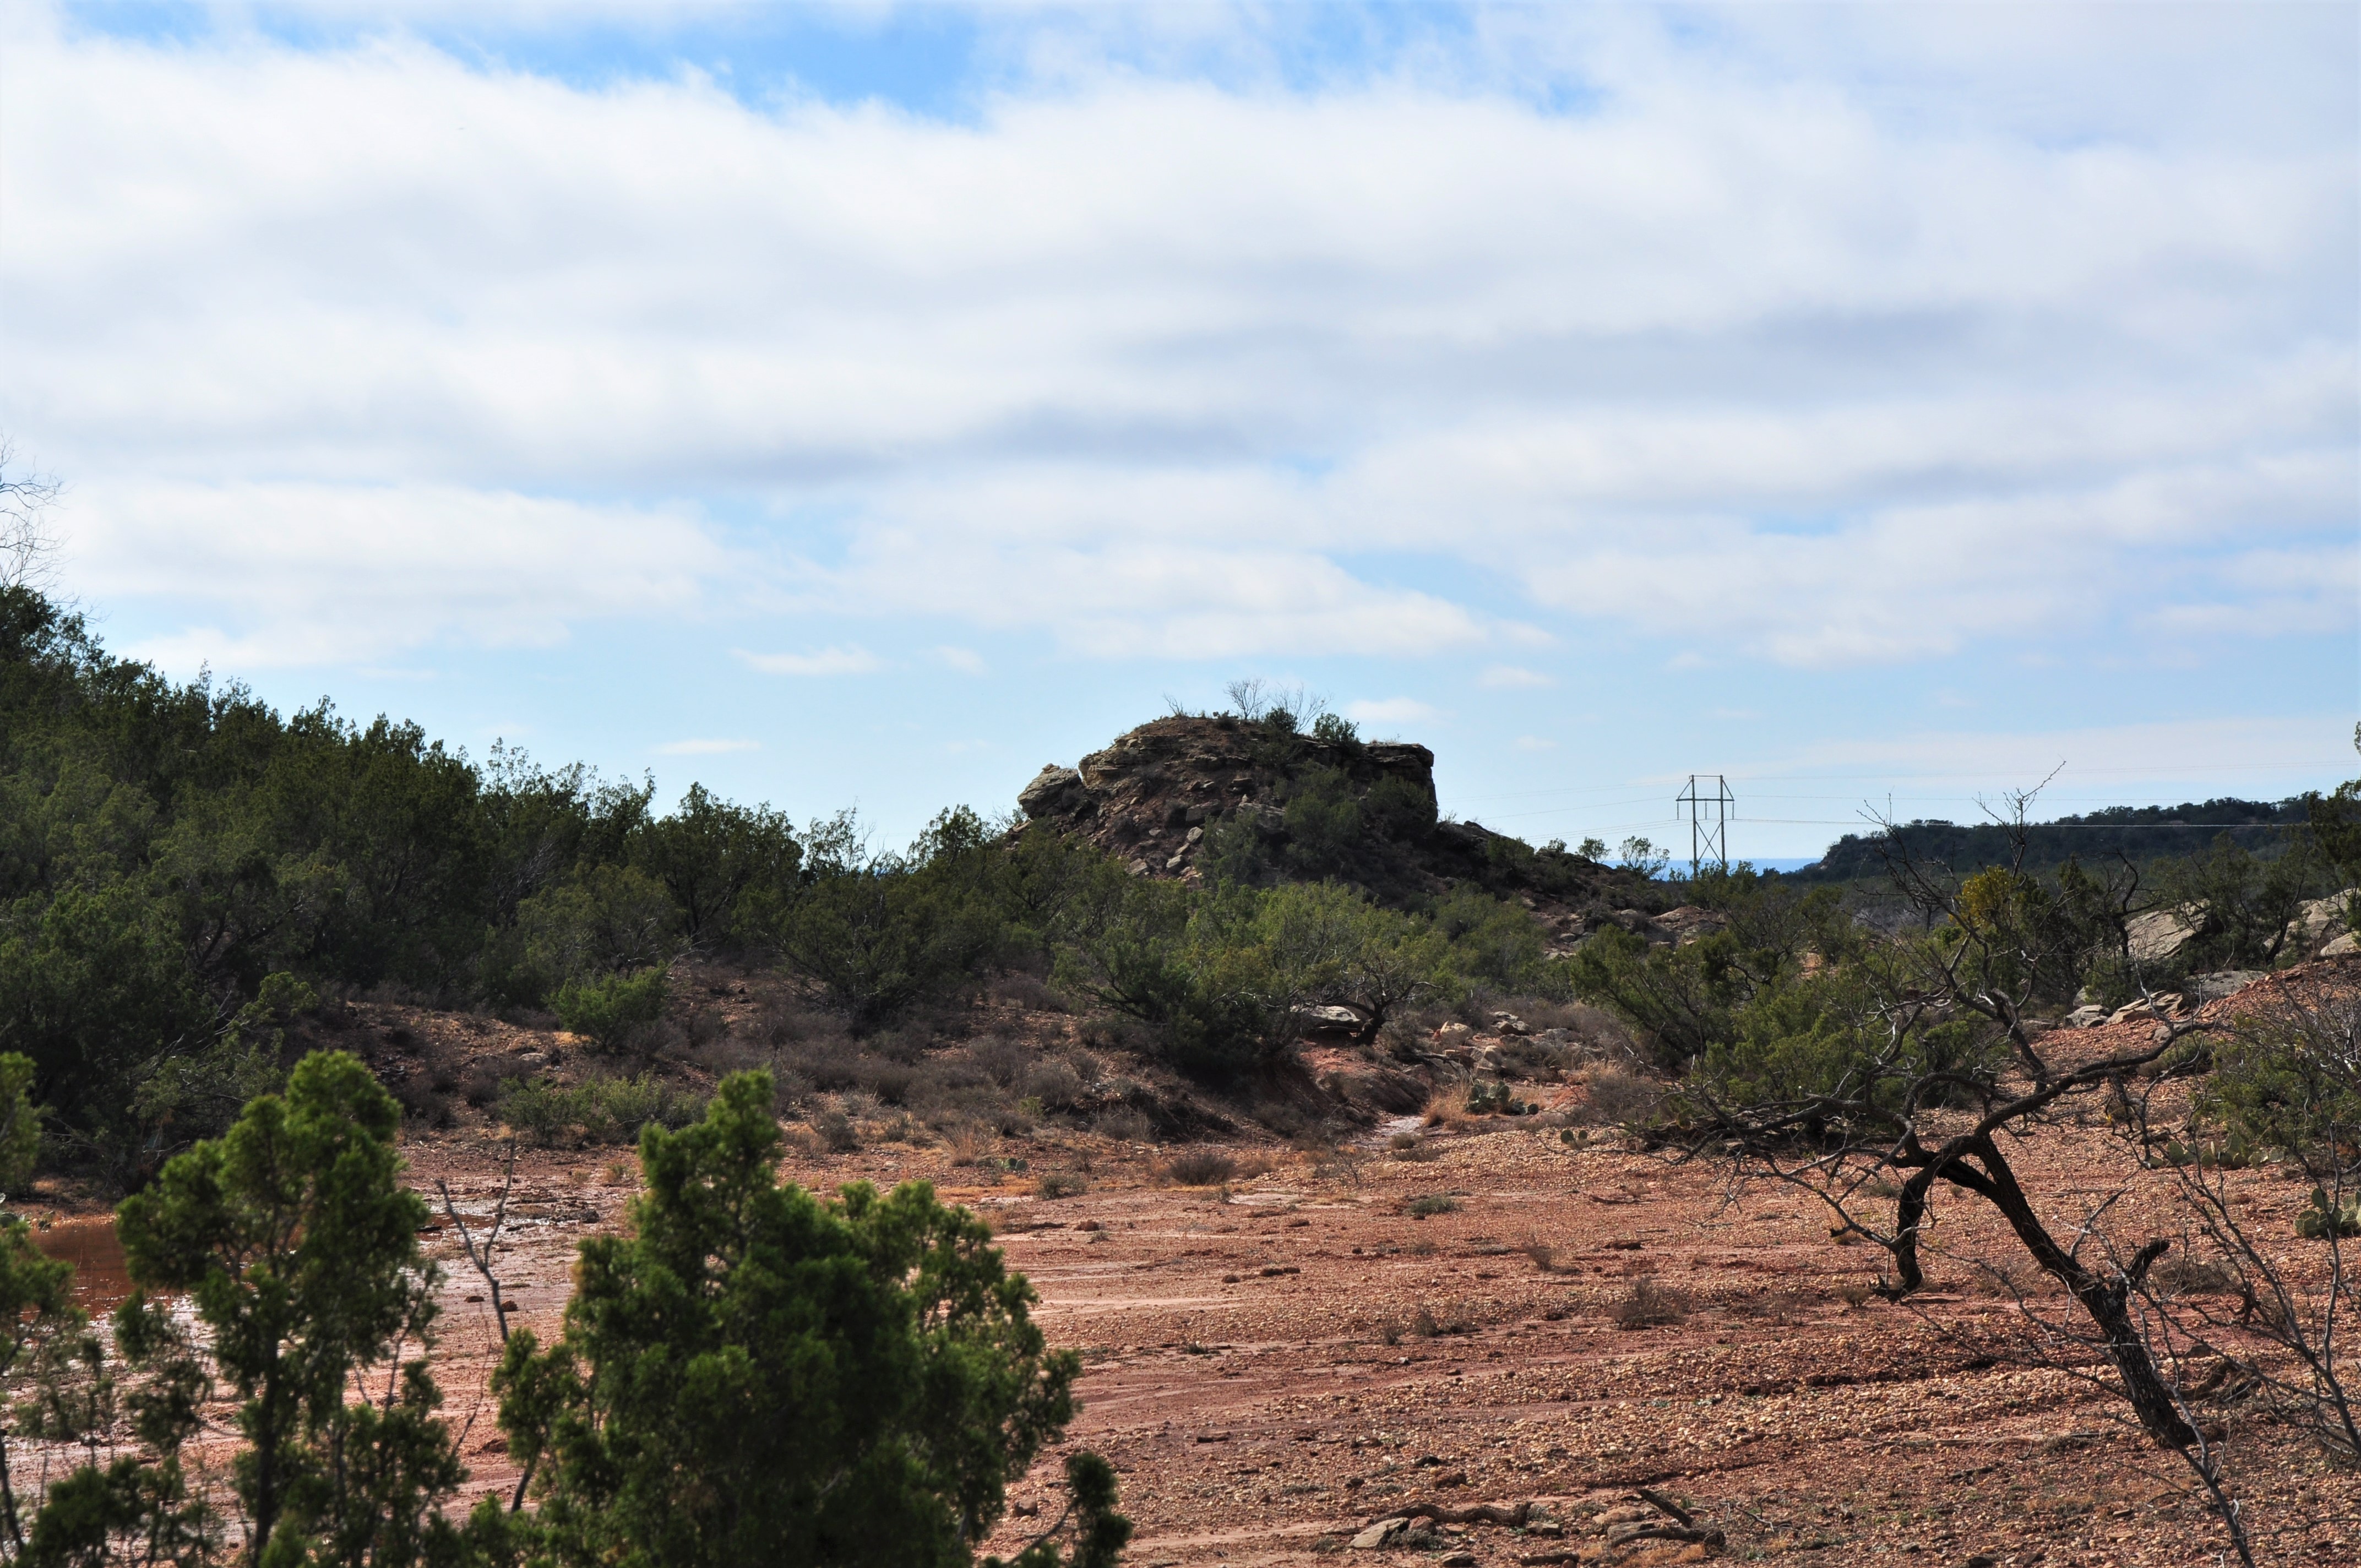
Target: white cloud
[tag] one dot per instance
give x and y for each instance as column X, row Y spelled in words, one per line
column 1834, row 342
column 1509, row 677
column 706, row 748
column 308, row 572
column 833, row 661
column 2246, row 756
column 1391, row 710
column 967, row 661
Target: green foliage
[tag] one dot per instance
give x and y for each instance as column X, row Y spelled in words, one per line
column 1326, row 836
column 598, row 1110
column 608, row 1008
column 1640, row 856
column 884, row 933
column 297, row 1245
column 1687, row 999
column 2286, row 1082
column 2140, row 834
column 1223, row 977
column 165, row 849
column 754, row 1375
column 39, row 1330
column 1491, row 940
column 2323, row 1217
column 2335, row 822
column 1336, row 730
column 600, row 921
column 2245, row 900
column 731, row 870
column 1494, row 1098
column 20, row 1127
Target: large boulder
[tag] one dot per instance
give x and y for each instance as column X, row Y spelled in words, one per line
column 2317, row 920
column 2158, row 937
column 1049, row 791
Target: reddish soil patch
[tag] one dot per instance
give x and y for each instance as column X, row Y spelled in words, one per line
column 1272, row 1367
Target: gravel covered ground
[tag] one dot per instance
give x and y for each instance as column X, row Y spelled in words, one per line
column 1274, row 1365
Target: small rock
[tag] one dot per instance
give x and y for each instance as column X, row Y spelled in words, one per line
column 2344, row 946
column 2220, row 983
column 2086, row 1017
column 1460, row 1559
column 1377, row 1535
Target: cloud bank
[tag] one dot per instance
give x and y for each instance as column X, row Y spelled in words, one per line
column 1829, row 343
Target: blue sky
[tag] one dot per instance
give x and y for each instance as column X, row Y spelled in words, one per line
column 870, row 404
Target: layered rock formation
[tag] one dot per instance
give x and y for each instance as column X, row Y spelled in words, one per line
column 1155, row 796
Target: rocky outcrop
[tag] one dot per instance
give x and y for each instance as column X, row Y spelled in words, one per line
column 1155, row 796
column 2158, row 936
column 2319, row 922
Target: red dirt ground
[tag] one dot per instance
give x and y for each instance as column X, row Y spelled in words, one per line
column 1273, row 1365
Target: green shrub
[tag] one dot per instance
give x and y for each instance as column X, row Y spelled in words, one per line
column 598, row 1110
column 883, row 934
column 754, row 1375
column 606, row 1009
column 1426, row 1208
column 2321, row 1219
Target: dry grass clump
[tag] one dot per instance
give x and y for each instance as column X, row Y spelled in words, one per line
column 1649, row 1305
column 1617, row 1098
column 968, row 1142
column 1777, row 1308
column 1445, row 1105
column 1410, row 1146
column 1125, row 1124
column 1431, row 1204
column 1198, row 1168
column 836, row 1132
column 1062, row 1184
column 2178, row 1274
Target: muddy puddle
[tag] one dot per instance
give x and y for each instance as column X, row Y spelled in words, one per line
column 100, row 1281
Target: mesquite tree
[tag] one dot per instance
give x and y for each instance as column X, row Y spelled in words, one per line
column 1905, row 1072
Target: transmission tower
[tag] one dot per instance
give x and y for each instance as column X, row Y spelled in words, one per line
column 1708, row 836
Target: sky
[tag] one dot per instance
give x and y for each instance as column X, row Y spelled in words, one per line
column 1884, row 407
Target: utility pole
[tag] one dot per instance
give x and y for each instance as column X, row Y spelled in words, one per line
column 1708, row 836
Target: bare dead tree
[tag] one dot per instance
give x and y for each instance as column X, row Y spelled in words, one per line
column 28, row 544
column 1924, row 1066
column 2276, row 1321
column 479, row 1250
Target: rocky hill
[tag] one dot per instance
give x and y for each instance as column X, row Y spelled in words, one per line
column 1179, row 795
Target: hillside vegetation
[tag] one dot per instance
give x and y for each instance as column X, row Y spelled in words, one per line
column 187, row 876
column 2137, row 833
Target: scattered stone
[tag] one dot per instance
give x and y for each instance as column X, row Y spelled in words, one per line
column 1378, row 1535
